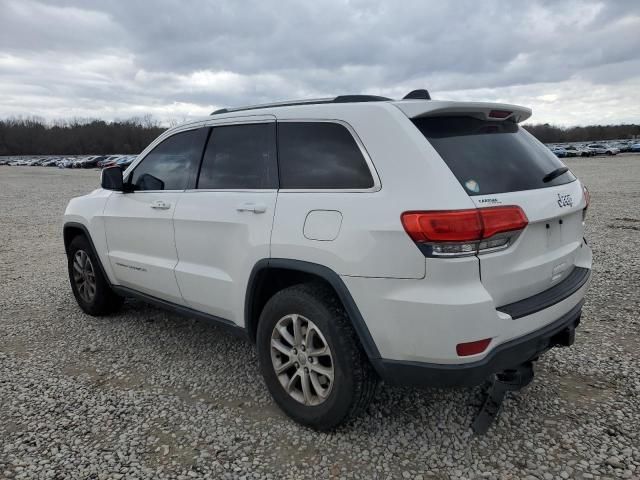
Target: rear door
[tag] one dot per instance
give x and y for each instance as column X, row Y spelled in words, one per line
column 498, row 163
column 139, row 225
column 223, row 226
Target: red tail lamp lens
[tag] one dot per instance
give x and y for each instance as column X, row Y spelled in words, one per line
column 587, row 196
column 502, row 219
column 462, row 225
column 443, row 226
column 472, row 348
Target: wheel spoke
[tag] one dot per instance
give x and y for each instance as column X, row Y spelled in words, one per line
column 319, row 352
column 280, row 347
column 320, row 390
column 285, row 366
column 306, row 388
column 292, row 381
column 322, row 370
column 308, row 336
column 297, row 329
column 284, row 333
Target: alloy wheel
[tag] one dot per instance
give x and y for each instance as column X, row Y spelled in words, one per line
column 84, row 276
column 302, row 359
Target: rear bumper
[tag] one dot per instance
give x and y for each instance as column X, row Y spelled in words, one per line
column 503, row 357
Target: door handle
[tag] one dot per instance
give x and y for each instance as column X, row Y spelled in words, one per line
column 160, row 205
column 252, row 207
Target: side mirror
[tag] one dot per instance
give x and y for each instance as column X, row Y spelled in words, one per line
column 111, row 179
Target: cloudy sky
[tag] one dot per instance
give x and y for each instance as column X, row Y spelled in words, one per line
column 573, row 62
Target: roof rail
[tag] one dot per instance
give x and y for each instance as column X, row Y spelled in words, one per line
column 316, row 101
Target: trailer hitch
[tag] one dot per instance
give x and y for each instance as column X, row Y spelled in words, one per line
column 493, row 395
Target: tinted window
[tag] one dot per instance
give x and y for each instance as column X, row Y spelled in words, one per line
column 320, row 155
column 240, row 156
column 491, row 157
column 172, row 164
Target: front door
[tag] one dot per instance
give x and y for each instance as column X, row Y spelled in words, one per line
column 139, row 225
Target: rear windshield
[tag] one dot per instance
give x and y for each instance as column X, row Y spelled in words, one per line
column 491, row 157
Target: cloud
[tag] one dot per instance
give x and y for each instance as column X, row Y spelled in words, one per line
column 573, row 62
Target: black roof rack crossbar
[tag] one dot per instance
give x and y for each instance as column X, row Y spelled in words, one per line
column 338, row 99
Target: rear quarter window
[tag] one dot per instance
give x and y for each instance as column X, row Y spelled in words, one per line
column 490, row 157
column 320, row 155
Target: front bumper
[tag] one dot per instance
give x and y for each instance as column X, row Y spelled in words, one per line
column 503, row 357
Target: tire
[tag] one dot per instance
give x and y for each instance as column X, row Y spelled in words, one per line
column 90, row 287
column 354, row 380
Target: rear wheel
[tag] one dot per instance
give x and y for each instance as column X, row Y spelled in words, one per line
column 90, row 287
column 311, row 359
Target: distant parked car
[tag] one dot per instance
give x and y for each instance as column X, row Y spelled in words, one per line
column 126, row 161
column 569, row 152
column 91, row 162
column 108, row 161
column 559, row 152
column 575, row 151
column 635, row 147
column 603, row 149
column 622, row 146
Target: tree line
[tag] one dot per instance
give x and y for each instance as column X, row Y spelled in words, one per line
column 35, row 136
column 553, row 134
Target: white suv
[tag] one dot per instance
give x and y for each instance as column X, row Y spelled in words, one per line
column 420, row 242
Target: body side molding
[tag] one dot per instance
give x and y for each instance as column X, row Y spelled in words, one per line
column 181, row 310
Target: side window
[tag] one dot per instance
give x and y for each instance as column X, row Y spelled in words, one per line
column 172, row 164
column 315, row 155
column 240, row 157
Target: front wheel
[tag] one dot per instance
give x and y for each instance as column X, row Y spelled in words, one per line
column 90, row 287
column 311, row 359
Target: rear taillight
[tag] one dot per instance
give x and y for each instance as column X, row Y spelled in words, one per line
column 464, row 232
column 587, row 200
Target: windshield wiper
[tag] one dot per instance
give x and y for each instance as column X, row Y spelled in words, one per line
column 555, row 174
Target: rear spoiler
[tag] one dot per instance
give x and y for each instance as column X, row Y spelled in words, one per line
column 480, row 110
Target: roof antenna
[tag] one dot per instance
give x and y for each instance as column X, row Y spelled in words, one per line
column 420, row 94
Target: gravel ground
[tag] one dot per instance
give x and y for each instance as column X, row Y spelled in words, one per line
column 146, row 394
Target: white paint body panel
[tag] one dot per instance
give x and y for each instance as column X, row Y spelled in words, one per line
column 218, row 247
column 140, row 242
column 544, row 253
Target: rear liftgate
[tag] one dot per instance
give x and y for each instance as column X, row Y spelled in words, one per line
column 511, row 380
